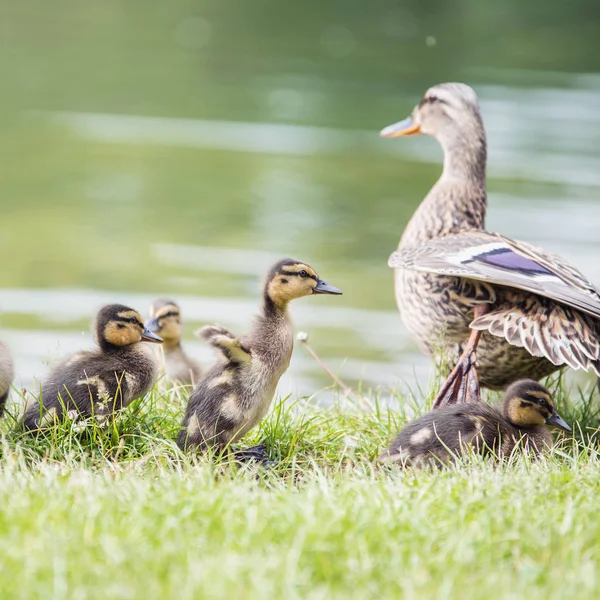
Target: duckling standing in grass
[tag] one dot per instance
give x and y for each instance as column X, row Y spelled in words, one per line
column 235, row 394
column 165, row 321
column 98, row 382
column 446, row 432
column 6, row 375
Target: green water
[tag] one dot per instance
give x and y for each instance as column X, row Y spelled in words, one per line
column 260, row 141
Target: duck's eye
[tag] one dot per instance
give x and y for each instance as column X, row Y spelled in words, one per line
column 433, row 98
column 303, row 274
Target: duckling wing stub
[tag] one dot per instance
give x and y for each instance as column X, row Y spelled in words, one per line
column 224, row 341
column 495, row 259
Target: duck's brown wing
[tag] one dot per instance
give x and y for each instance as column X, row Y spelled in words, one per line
column 232, row 348
column 559, row 320
column 543, row 327
column 495, row 259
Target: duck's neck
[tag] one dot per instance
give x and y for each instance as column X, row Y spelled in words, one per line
column 171, row 346
column 458, row 201
column 465, row 156
column 273, row 311
column 273, row 332
column 108, row 348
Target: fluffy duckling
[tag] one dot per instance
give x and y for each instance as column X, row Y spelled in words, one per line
column 98, row 382
column 446, row 432
column 165, row 321
column 235, row 394
column 6, row 375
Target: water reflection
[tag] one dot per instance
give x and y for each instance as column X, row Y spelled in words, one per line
column 199, row 208
column 527, row 134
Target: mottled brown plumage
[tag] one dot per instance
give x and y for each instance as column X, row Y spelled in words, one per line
column 102, row 381
column 6, row 376
column 236, row 393
column 442, row 435
column 165, row 321
column 541, row 312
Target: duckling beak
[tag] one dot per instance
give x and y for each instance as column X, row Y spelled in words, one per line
column 558, row 421
column 148, row 336
column 152, row 325
column 323, row 287
column 405, row 127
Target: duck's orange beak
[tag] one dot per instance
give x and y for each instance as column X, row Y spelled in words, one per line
column 405, row 127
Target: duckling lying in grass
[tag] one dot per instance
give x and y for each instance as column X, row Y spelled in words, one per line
column 446, row 432
column 235, row 394
column 6, row 375
column 98, row 382
column 165, row 321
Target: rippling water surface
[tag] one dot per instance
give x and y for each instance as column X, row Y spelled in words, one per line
column 186, row 151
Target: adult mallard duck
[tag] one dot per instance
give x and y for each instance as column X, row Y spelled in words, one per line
column 441, row 435
column 526, row 311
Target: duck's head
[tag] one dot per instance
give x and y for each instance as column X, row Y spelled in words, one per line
column 528, row 403
column 289, row 279
column 165, row 320
column 449, row 112
column 119, row 326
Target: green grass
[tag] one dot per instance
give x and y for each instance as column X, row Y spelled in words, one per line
column 121, row 513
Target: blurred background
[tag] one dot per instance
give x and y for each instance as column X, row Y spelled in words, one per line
column 177, row 148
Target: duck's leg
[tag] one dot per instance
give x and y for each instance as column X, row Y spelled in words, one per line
column 462, row 384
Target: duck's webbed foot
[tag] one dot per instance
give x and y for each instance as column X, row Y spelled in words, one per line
column 256, row 453
column 462, row 385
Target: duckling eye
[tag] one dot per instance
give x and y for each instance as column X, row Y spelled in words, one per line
column 303, row 274
column 134, row 321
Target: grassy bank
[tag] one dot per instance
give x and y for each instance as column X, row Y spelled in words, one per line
column 122, row 514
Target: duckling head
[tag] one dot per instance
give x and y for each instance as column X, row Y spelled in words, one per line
column 165, row 320
column 527, row 403
column 119, row 326
column 450, row 113
column 289, row 279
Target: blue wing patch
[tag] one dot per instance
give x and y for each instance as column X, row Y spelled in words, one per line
column 505, row 258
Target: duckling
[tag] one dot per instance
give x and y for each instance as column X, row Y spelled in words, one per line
column 235, row 394
column 98, row 382
column 6, row 375
column 502, row 309
column 166, row 322
column 444, row 433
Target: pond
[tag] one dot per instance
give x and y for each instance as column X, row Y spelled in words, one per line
column 179, row 150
